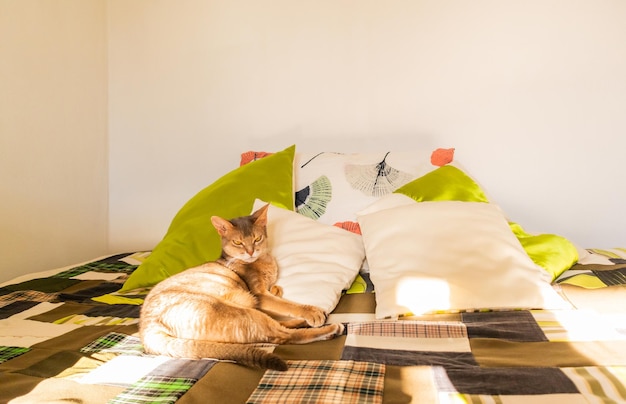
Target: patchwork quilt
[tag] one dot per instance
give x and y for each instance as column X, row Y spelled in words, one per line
column 57, row 344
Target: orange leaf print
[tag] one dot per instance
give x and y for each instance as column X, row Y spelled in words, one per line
column 441, row 157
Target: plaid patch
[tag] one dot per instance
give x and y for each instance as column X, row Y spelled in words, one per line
column 155, row 389
column 9, row 352
column 115, row 343
column 614, row 277
column 409, row 329
column 322, row 382
column 27, row 295
column 99, row 266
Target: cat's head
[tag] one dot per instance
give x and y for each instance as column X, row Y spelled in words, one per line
column 243, row 238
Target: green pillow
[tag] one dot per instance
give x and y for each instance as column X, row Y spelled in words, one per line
column 553, row 253
column 446, row 183
column 191, row 238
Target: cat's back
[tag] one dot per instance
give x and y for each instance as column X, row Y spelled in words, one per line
column 211, row 278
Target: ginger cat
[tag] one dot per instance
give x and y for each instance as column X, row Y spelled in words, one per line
column 222, row 308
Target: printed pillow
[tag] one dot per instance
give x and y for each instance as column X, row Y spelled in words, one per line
column 191, row 238
column 449, row 256
column 553, row 253
column 331, row 187
column 315, row 261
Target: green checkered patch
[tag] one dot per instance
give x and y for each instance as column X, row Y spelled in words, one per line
column 154, row 389
column 107, row 267
column 322, row 381
column 115, row 342
column 9, row 352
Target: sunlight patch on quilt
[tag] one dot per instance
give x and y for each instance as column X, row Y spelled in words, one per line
column 578, row 325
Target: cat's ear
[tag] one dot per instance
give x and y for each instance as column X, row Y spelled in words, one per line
column 260, row 216
column 221, row 225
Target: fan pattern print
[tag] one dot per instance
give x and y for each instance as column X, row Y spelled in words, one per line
column 312, row 200
column 332, row 187
column 376, row 179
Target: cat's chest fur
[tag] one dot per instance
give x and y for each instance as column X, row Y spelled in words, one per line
column 259, row 275
column 222, row 278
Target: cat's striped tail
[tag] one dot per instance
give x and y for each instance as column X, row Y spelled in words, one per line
column 160, row 343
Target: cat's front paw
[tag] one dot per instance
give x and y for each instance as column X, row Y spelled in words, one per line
column 314, row 316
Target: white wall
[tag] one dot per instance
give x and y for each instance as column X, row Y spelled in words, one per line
column 53, row 134
column 532, row 94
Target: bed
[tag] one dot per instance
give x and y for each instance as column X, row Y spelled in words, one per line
column 444, row 298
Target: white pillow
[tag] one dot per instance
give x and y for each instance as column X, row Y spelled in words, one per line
column 448, row 256
column 315, row 261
